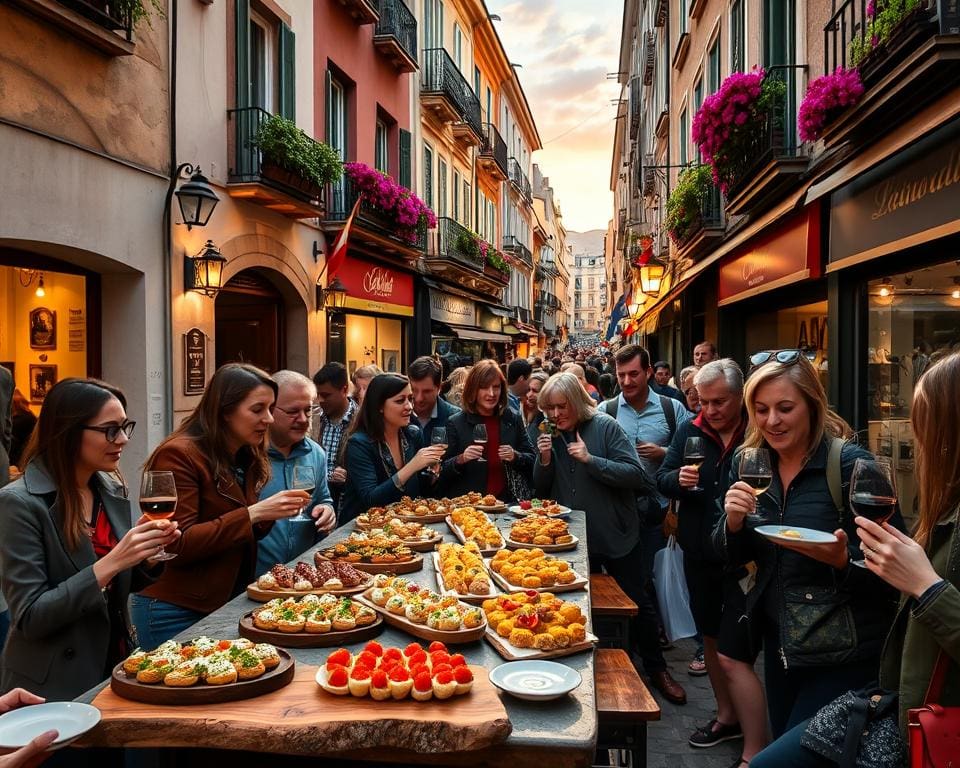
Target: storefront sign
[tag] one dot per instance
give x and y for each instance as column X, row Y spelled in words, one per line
column 791, row 252
column 489, row 321
column 376, row 288
column 909, row 199
column 194, row 361
column 446, row 308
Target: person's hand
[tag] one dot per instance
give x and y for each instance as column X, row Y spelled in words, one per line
column 141, row 542
column 689, row 477
column 470, row 453
column 651, row 451
column 326, row 517
column 18, row 697
column 738, row 503
column 506, row 453
column 35, row 752
column 895, row 557
column 834, row 554
column 282, row 504
column 545, row 446
column 578, row 450
column 427, row 457
column 339, row 475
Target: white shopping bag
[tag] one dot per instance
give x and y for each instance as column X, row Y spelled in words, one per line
column 672, row 595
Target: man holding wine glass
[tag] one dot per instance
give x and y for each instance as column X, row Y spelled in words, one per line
column 298, row 463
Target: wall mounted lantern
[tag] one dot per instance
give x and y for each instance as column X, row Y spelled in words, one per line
column 651, row 276
column 196, row 198
column 334, row 296
column 203, row 273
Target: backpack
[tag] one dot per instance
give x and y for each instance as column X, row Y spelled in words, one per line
column 834, row 476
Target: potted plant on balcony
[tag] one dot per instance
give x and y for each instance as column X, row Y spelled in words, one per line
column 890, row 24
column 404, row 212
column 495, row 265
column 826, row 98
column 685, row 203
column 292, row 158
column 136, row 10
column 472, row 246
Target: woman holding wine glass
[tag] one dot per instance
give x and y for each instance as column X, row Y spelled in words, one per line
column 823, row 621
column 218, row 459
column 68, row 554
column 486, row 438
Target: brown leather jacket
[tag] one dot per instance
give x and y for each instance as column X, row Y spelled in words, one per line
column 217, row 553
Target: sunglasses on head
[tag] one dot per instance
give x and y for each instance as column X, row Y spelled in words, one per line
column 782, row 356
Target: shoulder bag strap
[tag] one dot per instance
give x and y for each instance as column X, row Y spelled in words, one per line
column 834, row 475
column 666, row 403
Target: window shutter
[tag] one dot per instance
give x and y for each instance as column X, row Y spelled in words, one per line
column 288, row 96
column 243, row 54
column 405, row 159
column 327, row 90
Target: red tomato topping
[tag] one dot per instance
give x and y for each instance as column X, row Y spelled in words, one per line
column 420, row 657
column 526, row 505
column 379, row 679
column 374, row 647
column 441, row 668
column 392, row 653
column 399, row 674
column 416, row 669
column 509, row 605
column 439, row 657
column 338, row 677
column 445, row 677
column 412, row 649
column 457, row 660
column 436, row 645
column 527, row 621
column 367, row 659
column 339, row 656
column 361, row 672
column 531, row 593
column 224, row 645
column 422, row 682
column 462, row 674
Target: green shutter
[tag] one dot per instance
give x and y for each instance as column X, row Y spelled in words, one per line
column 243, row 54
column 288, row 95
column 405, row 159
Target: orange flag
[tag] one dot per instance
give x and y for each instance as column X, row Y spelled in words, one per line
column 339, row 252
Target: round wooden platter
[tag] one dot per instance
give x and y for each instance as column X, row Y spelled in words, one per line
column 511, row 544
column 488, row 551
column 422, row 630
column 470, row 598
column 263, row 595
column 308, row 639
column 500, row 506
column 516, row 510
column 201, row 693
column 436, row 517
column 406, row 566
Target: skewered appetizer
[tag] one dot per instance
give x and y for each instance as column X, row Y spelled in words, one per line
column 540, row 507
column 540, row 530
column 420, row 605
column 394, row 673
column 303, row 577
column 532, row 568
column 476, row 526
column 462, row 569
column 537, row 620
column 203, row 660
column 360, row 548
column 313, row 614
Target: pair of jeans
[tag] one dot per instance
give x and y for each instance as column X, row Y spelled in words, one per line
column 788, row 752
column 157, row 621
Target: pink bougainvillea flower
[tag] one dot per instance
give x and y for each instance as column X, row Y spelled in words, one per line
column 826, row 97
column 408, row 213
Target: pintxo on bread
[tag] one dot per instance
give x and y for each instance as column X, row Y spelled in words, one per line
column 202, row 661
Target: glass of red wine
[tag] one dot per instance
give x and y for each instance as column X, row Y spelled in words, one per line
column 873, row 492
column 480, row 437
column 158, row 501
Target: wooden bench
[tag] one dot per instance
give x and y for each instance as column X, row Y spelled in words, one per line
column 612, row 611
column 624, row 707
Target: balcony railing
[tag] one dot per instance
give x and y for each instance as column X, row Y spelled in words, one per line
column 520, row 181
column 110, row 14
column 513, row 246
column 493, row 151
column 548, row 300
column 396, row 34
column 634, row 107
column 441, row 78
column 341, row 198
column 452, row 239
column 707, row 228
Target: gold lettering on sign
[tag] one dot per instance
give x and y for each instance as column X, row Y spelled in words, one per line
column 378, row 281
column 895, row 193
column 751, row 273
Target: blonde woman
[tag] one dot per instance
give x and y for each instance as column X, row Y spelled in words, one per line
column 455, row 382
column 361, row 380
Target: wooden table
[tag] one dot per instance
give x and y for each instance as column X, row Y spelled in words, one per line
column 565, row 729
column 624, row 705
column 612, row 611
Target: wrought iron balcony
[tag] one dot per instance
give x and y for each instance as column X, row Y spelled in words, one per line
column 112, row 15
column 493, row 153
column 548, row 301
column 372, row 225
column 455, row 242
column 103, row 24
column 706, row 230
column 396, row 35
column 634, row 107
column 649, row 57
column 253, row 177
column 520, row 181
column 517, row 249
column 444, row 90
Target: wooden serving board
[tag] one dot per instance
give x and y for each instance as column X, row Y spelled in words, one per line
column 435, row 518
column 580, row 582
column 407, row 566
column 424, row 545
column 510, row 653
column 511, row 544
column 455, row 529
column 271, row 680
column 422, row 630
column 469, row 598
column 516, row 510
column 498, row 507
column 263, row 595
column 303, row 719
column 307, row 639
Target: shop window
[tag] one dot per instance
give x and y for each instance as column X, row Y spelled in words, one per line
column 264, row 60
column 803, row 327
column 373, row 340
column 381, row 147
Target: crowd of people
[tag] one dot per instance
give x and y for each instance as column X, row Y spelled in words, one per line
column 266, row 465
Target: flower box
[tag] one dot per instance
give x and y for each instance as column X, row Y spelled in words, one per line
column 290, row 179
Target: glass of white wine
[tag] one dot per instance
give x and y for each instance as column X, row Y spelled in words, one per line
column 694, row 453
column 757, row 472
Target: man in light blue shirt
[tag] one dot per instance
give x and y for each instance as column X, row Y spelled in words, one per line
column 290, row 447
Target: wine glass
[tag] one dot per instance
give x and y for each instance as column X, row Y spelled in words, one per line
column 480, row 437
column 757, row 472
column 158, row 501
column 873, row 492
column 304, row 479
column 694, row 452
column 438, row 436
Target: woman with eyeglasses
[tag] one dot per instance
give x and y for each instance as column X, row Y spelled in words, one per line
column 822, row 619
column 68, row 554
column 218, row 458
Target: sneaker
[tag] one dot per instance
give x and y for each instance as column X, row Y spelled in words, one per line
column 714, row 733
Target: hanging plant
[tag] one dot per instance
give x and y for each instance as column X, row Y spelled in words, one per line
column 685, row 203
column 495, row 259
column 826, row 98
column 407, row 212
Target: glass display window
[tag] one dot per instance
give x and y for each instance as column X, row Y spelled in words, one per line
column 803, row 327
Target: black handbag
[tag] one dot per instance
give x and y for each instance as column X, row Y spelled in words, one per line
column 858, row 729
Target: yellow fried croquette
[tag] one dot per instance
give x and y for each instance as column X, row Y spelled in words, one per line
column 544, row 641
column 531, row 581
column 578, row 632
column 571, row 612
column 521, row 638
column 505, row 627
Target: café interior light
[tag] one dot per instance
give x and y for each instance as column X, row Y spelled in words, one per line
column 203, row 273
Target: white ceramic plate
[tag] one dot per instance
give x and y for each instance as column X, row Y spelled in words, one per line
column 535, row 680
column 20, row 726
column 807, row 535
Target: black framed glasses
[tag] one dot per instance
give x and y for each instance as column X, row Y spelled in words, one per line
column 112, row 432
column 782, row 356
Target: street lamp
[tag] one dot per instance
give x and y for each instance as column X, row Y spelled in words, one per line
column 196, row 198
column 651, row 276
column 334, row 296
column 203, row 273
column 633, row 309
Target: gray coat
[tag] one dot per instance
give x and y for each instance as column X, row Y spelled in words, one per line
column 59, row 622
column 605, row 487
column 6, row 424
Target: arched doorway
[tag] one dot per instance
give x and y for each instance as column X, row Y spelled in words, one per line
column 250, row 318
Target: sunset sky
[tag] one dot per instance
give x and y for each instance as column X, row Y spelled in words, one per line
column 566, row 48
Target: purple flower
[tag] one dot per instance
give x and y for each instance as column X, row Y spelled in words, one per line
column 826, row 97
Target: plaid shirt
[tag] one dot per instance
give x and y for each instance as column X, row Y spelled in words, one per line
column 329, row 434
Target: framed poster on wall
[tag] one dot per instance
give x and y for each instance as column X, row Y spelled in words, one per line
column 43, row 328
column 42, row 379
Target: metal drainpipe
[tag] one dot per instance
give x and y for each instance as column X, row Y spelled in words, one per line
column 167, row 234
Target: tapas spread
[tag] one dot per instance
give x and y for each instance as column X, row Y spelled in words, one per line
column 534, row 624
column 534, row 569
column 325, row 577
column 460, row 570
column 416, row 536
column 469, row 524
column 373, row 554
column 311, row 621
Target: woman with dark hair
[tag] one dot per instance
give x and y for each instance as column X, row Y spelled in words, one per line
column 385, row 452
column 218, row 457
column 22, row 422
column 485, row 402
column 68, row 555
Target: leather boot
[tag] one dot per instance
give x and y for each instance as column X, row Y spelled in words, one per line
column 670, row 688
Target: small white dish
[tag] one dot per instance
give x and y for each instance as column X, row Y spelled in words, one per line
column 19, row 727
column 807, row 535
column 535, row 680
